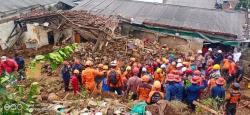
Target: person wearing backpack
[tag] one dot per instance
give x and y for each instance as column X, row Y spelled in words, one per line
column 155, row 95
column 232, row 99
column 144, row 88
column 114, row 79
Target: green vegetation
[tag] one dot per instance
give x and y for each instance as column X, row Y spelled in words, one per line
column 13, row 100
column 55, row 58
column 243, row 4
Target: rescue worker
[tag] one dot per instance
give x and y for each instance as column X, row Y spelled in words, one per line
column 232, row 99
column 155, row 95
column 144, row 89
column 128, row 72
column 180, row 88
column 105, row 87
column 216, row 71
column 208, row 54
column 158, row 75
column 98, row 79
column 193, row 91
column 88, row 76
column 218, row 57
column 133, row 83
column 170, row 89
column 65, row 71
column 225, row 66
column 78, row 66
column 114, row 78
column 7, row 65
column 231, row 72
column 218, row 91
column 74, row 81
column 239, row 72
column 172, row 67
column 200, row 60
column 21, row 66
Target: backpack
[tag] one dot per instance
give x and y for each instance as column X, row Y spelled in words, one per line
column 155, row 97
column 113, row 77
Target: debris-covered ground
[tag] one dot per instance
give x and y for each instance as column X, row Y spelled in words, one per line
column 52, row 99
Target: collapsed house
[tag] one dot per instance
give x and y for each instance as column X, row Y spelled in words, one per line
column 181, row 27
column 10, row 10
column 168, row 23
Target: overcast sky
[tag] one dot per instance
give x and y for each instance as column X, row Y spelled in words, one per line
column 159, row 1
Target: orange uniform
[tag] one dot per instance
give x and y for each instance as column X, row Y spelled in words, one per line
column 226, row 64
column 88, row 78
column 232, row 68
column 119, row 78
column 143, row 91
column 158, row 77
column 170, row 69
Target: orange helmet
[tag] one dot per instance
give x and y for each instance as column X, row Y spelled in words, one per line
column 145, row 78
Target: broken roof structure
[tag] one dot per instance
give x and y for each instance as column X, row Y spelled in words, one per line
column 228, row 23
column 8, row 6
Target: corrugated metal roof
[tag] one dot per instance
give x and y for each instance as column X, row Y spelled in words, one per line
column 187, row 17
column 208, row 4
column 9, row 5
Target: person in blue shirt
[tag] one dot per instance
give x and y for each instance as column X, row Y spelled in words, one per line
column 218, row 91
column 78, row 66
column 21, row 66
column 192, row 91
column 170, row 88
column 105, row 87
column 65, row 71
column 180, row 88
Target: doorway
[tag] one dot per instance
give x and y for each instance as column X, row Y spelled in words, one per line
column 51, row 39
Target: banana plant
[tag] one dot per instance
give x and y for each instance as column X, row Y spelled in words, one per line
column 55, row 58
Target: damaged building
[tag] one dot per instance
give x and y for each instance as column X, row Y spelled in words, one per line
column 11, row 10
column 168, row 23
column 182, row 27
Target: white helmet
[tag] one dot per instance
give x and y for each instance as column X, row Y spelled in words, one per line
column 199, row 51
column 3, row 58
column 179, row 65
column 179, row 60
column 210, row 49
column 163, row 66
column 144, row 69
column 183, row 69
column 219, row 51
column 113, row 63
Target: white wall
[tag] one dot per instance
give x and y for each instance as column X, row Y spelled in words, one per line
column 38, row 33
column 5, row 30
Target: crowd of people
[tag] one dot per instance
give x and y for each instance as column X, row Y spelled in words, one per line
column 172, row 77
column 182, row 78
